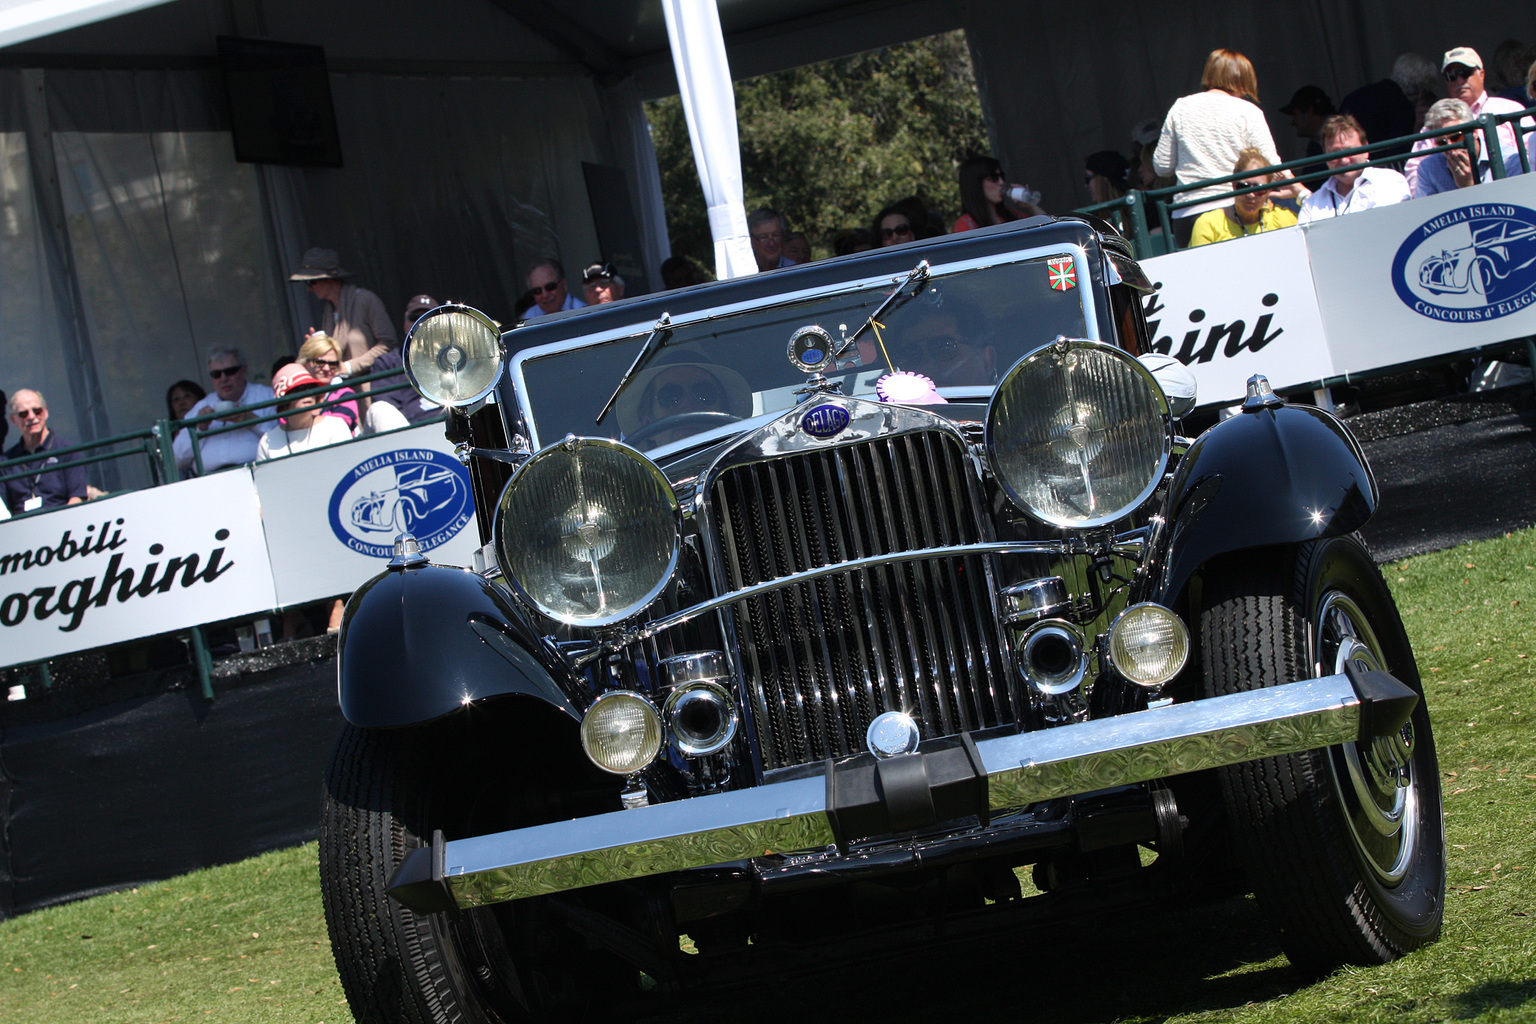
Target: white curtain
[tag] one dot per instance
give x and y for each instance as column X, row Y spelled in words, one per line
column 709, row 103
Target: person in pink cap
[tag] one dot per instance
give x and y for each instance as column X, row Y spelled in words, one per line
column 300, row 427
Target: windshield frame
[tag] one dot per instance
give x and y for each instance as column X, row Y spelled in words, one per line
column 645, row 322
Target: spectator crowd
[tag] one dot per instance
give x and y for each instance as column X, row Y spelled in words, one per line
column 1217, row 132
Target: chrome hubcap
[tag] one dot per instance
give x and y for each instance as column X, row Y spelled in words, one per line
column 1373, row 780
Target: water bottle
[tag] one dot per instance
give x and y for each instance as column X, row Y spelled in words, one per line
column 1023, row 194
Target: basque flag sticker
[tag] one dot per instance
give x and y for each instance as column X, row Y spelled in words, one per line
column 1062, row 273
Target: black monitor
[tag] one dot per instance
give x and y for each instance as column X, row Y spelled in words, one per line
column 280, row 108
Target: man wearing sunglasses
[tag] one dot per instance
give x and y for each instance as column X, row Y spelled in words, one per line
column 550, row 294
column 1462, row 167
column 49, row 485
column 229, row 370
column 1462, row 69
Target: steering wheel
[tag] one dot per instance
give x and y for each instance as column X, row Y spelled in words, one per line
column 697, row 421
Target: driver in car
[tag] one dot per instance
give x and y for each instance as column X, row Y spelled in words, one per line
column 942, row 346
column 677, row 397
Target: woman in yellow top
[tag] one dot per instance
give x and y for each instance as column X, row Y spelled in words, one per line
column 1249, row 213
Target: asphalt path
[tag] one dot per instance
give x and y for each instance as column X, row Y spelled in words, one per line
column 1450, row 471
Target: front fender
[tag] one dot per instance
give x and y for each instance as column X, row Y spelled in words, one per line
column 423, row 641
column 1282, row 475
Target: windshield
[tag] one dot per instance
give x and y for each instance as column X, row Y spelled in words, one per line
column 962, row 330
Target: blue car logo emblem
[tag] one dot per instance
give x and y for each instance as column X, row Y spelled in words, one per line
column 1470, row 264
column 824, row 421
column 409, row 490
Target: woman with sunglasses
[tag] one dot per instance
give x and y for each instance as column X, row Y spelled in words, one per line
column 902, row 221
column 985, row 196
column 321, row 356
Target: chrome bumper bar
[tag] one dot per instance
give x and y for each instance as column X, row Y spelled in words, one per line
column 993, row 774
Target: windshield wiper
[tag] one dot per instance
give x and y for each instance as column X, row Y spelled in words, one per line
column 917, row 275
column 652, row 344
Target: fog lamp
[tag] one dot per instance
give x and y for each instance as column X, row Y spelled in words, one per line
column 621, row 733
column 1148, row 644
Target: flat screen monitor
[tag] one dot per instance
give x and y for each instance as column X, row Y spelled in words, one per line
column 279, row 103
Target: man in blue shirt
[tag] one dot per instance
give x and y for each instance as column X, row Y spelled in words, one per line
column 1456, row 168
column 49, row 482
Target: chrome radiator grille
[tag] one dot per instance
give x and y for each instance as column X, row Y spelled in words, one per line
column 821, row 660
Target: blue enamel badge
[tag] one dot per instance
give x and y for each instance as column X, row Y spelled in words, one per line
column 824, row 421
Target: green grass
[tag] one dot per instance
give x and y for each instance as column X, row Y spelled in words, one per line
column 241, row 942
column 246, row 942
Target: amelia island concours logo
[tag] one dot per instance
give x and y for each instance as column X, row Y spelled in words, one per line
column 409, row 490
column 1470, row 264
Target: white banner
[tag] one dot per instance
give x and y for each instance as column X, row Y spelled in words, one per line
column 132, row 566
column 1428, row 277
column 332, row 514
column 1233, row 309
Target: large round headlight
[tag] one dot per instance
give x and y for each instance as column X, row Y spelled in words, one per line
column 453, row 355
column 1078, row 433
column 587, row 530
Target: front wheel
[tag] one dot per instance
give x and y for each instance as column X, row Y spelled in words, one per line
column 508, row 963
column 1344, row 847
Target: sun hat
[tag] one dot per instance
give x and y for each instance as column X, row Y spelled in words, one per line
column 319, row 264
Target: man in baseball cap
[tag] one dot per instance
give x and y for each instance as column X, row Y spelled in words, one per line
column 418, row 305
column 1462, row 69
column 602, row 284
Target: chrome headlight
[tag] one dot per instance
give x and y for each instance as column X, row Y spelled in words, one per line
column 453, row 355
column 1078, row 433
column 587, row 531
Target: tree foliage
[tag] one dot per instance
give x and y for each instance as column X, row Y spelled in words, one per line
column 830, row 144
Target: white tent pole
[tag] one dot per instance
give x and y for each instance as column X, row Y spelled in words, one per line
column 709, row 103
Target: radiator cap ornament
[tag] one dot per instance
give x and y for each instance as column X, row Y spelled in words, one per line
column 891, row 734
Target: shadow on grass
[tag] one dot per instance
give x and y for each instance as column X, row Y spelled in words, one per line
column 1494, row 995
column 1143, row 966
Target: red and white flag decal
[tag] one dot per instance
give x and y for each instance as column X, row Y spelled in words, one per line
column 1063, row 273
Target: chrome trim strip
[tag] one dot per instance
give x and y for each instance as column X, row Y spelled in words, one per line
column 787, row 816
column 678, row 618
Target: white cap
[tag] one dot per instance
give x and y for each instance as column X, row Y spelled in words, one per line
column 1462, row 55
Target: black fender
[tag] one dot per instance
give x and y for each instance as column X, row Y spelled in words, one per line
column 1282, row 475
column 423, row 641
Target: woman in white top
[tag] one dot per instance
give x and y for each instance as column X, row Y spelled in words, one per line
column 1204, row 133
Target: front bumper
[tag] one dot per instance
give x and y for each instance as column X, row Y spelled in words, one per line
column 903, row 793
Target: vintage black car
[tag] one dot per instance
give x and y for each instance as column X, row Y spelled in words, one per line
column 821, row 600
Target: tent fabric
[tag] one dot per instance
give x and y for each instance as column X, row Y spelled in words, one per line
column 135, row 241
column 709, row 105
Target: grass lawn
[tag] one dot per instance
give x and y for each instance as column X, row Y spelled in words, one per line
column 246, row 942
